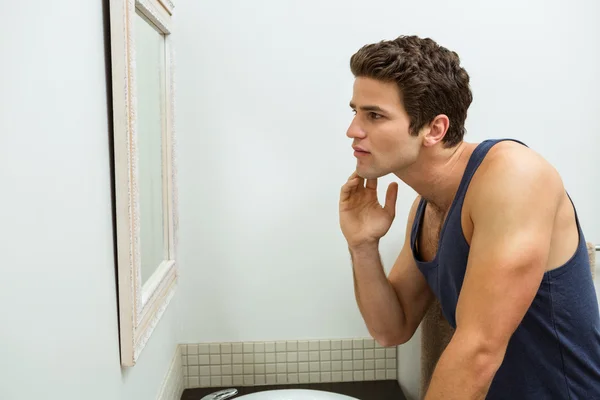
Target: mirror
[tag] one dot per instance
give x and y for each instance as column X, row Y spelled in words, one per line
column 150, row 92
column 143, row 135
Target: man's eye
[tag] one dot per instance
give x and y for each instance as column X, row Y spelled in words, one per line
column 374, row 115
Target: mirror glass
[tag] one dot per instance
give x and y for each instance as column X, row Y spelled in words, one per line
column 150, row 126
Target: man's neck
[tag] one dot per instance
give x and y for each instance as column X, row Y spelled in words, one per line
column 437, row 174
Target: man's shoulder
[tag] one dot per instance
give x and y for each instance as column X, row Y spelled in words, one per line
column 511, row 171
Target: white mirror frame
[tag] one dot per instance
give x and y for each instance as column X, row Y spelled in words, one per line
column 141, row 305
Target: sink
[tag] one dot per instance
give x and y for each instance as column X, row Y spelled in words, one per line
column 295, row 394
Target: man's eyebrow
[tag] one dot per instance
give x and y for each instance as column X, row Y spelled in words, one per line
column 368, row 108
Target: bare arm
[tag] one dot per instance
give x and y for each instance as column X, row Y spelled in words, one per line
column 393, row 306
column 513, row 213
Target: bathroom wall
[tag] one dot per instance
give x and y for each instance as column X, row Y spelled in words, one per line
column 58, row 302
column 263, row 92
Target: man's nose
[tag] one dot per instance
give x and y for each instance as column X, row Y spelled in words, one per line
column 355, row 131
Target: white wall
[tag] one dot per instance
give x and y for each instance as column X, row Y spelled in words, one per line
column 58, row 311
column 263, row 91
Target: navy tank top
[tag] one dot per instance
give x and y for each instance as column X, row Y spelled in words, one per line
column 555, row 351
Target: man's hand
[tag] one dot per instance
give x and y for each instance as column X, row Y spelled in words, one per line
column 362, row 219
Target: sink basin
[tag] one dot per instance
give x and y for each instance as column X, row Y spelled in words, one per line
column 295, row 394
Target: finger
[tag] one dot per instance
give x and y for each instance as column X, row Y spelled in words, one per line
column 372, row 183
column 390, row 199
column 348, row 189
column 354, row 175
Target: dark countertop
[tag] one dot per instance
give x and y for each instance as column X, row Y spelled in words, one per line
column 365, row 390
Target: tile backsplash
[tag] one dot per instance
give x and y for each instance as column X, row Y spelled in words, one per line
column 286, row 362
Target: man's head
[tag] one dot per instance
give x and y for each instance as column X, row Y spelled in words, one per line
column 408, row 93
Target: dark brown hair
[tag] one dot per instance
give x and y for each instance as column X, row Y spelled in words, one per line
column 429, row 76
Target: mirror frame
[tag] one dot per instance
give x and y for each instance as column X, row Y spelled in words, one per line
column 141, row 305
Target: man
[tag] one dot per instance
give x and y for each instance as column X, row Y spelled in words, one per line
column 493, row 235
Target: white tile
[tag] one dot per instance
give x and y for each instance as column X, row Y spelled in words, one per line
column 358, row 365
column 205, row 381
column 270, row 368
column 259, row 358
column 347, row 365
column 292, row 345
column 215, row 348
column 203, row 348
column 204, row 359
column 260, row 380
column 313, row 345
column 281, row 368
column 227, row 369
column 336, row 345
column 314, row 366
column 369, row 354
column 271, row 379
column 390, row 364
column 281, row 379
column 358, row 354
column 238, row 369
column 184, row 349
column 390, row 373
column 326, row 366
column 185, row 371
column 347, row 376
column 380, row 374
column 346, row 344
column 215, row 359
column 292, row 357
column 192, row 349
column 379, row 353
column 237, row 358
column 325, row 376
column 259, row 347
column 336, row 355
column 359, row 376
column 259, row 368
column 369, row 364
column 292, row 378
column 303, row 367
column 184, row 360
column 379, row 364
column 315, row 377
column 269, row 348
column 237, row 348
column 226, row 348
column 248, row 380
column 193, row 371
column 238, row 380
column 248, row 347
column 303, row 356
column 215, row 381
column 346, row 354
column 270, row 357
column 336, row 366
column 325, row 345
column 192, row 360
column 313, row 356
column 248, row 358
column 390, row 353
column 194, row 382
column 370, row 375
column 280, row 346
column 204, row 370
column 303, row 345
column 215, row 370
column 303, row 378
column 248, row 369
column 358, row 344
column 225, row 358
column 369, row 343
column 281, row 357
column 227, row 380
column 292, row 367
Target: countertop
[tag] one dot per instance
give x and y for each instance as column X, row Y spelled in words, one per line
column 365, row 390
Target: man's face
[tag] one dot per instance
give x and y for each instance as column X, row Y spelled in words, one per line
column 380, row 129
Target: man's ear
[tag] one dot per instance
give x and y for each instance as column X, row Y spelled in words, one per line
column 436, row 130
